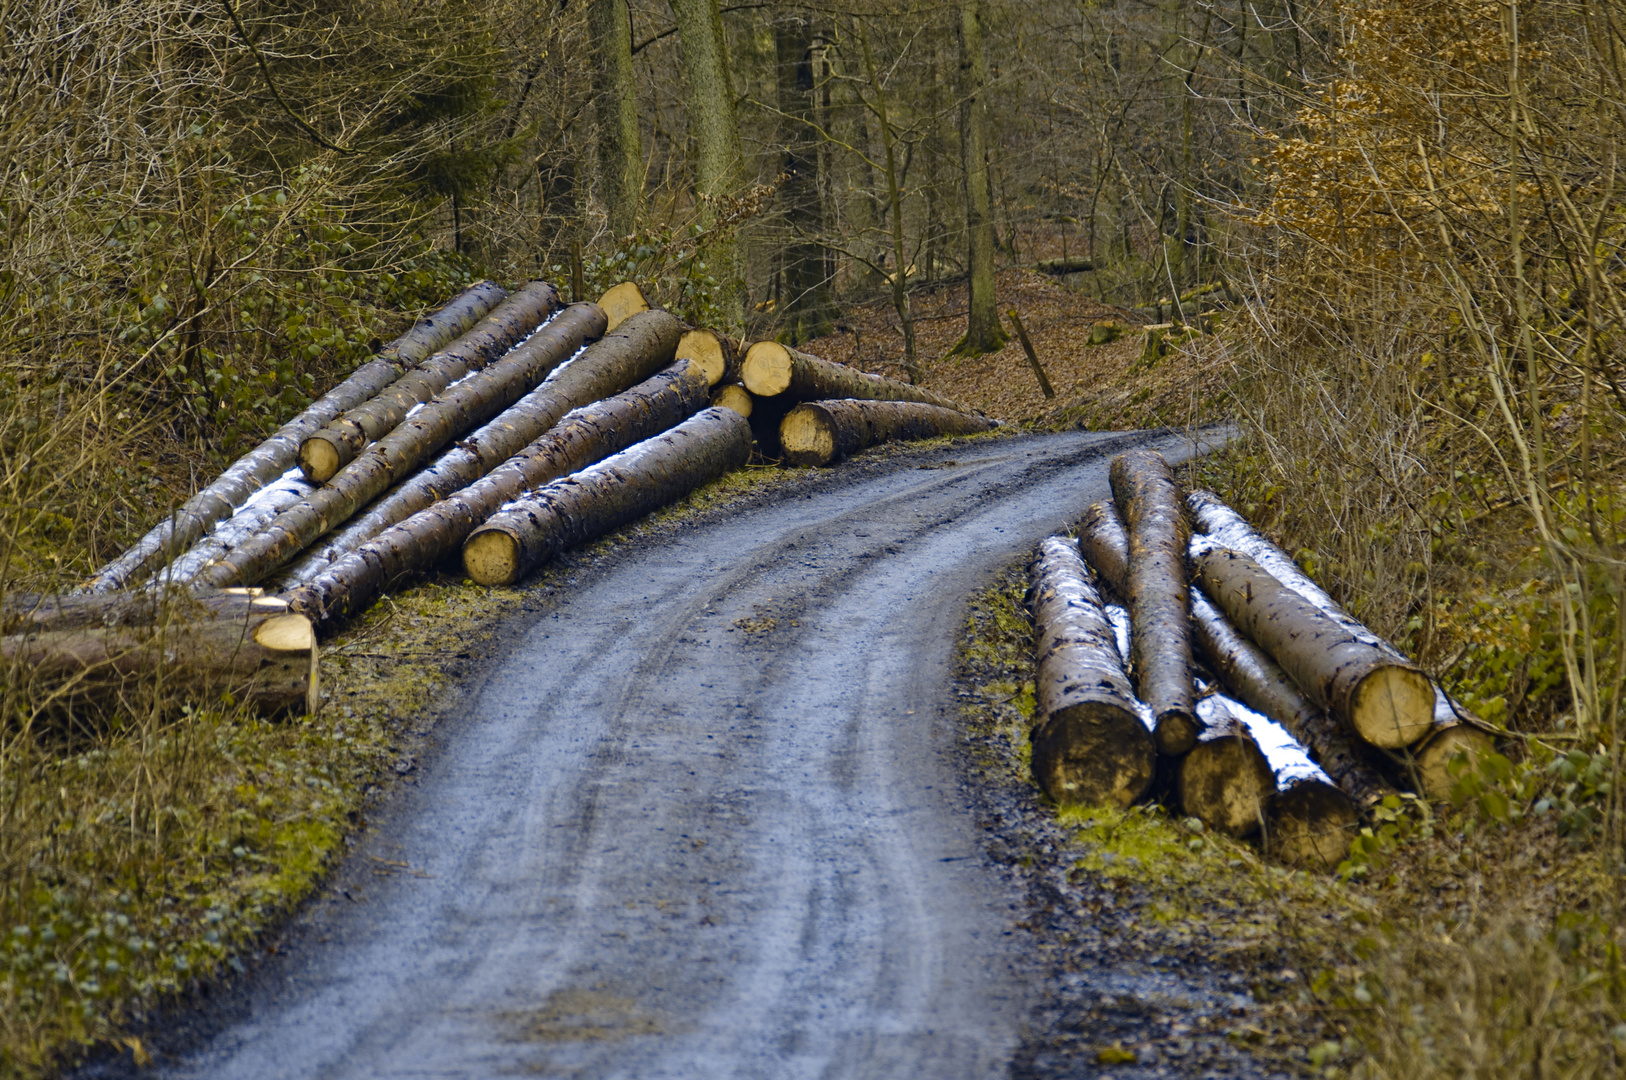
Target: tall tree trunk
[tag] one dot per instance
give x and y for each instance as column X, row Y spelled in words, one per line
column 620, row 147
column 894, row 193
column 1176, row 66
column 808, row 311
column 719, row 162
column 983, row 331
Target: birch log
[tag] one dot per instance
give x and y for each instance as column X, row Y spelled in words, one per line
column 1160, row 620
column 1385, row 701
column 1090, row 743
column 771, row 369
column 341, row 440
column 717, row 354
column 1246, row 671
column 632, row 352
column 260, row 653
column 616, row 491
column 587, row 435
column 825, row 432
column 399, row 454
column 280, row 452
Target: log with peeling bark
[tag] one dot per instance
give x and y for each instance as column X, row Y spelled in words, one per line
column 341, row 440
column 734, row 396
column 630, row 353
column 279, row 453
column 587, row 435
column 770, row 369
column 825, row 432
column 260, row 652
column 1091, row 740
column 1246, row 671
column 1385, row 701
column 622, row 302
column 402, row 452
column 717, row 354
column 1225, row 781
column 1160, row 657
column 581, row 507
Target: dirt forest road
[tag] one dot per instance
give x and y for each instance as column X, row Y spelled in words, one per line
column 704, row 820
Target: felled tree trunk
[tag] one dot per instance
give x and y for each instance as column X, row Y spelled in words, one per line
column 259, row 652
column 280, row 452
column 770, row 369
column 247, row 522
column 589, row 434
column 824, row 432
column 717, row 354
column 400, row 453
column 339, row 442
column 1245, row 670
column 1385, row 701
column 1160, row 621
column 45, row 613
column 1310, row 823
column 734, row 396
column 1090, row 741
column 1224, row 781
column 618, row 490
column 631, row 353
column 622, row 302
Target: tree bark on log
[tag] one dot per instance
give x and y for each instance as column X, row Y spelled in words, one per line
column 247, row 522
column 260, row 653
column 825, row 432
column 343, row 439
column 1160, row 657
column 717, row 354
column 1246, row 671
column 280, row 452
column 587, row 435
column 399, row 454
column 1091, row 742
column 36, row 613
column 1225, row 781
column 634, row 351
column 621, row 303
column 770, row 369
column 1385, row 701
column 734, row 396
column 603, row 497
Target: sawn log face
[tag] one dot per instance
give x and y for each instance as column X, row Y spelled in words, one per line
column 1224, row 781
column 770, row 369
column 588, row 434
column 339, row 442
column 824, row 432
column 280, row 452
column 618, row 490
column 1090, row 743
column 717, row 355
column 1160, row 636
column 1386, row 702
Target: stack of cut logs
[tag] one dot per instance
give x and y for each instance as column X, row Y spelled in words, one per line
column 504, row 428
column 1202, row 667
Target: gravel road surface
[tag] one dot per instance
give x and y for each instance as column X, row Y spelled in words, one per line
column 704, row 819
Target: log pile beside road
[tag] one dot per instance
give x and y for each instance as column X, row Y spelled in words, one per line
column 1253, row 653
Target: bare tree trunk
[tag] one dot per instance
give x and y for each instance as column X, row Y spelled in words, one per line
column 823, row 432
column 278, row 454
column 894, row 193
column 719, row 163
column 809, row 308
column 1091, row 738
column 983, row 331
column 620, row 145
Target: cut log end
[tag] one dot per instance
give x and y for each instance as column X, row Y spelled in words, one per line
column 621, row 303
column 806, row 438
column 286, row 633
column 491, row 557
column 1177, row 732
column 705, row 349
column 1224, row 783
column 1392, row 707
column 318, row 459
column 1434, row 757
column 767, row 369
column 1093, row 753
column 1310, row 824
column 733, row 396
